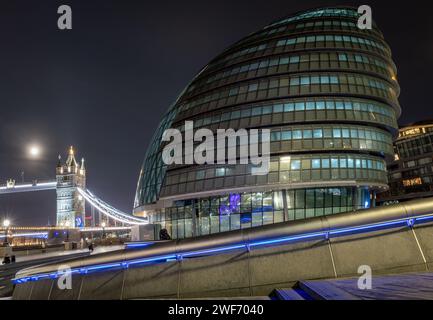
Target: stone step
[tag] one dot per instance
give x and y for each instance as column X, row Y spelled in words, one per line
column 290, row 294
column 324, row 290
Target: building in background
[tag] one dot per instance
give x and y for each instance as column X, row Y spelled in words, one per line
column 411, row 171
column 71, row 209
column 329, row 94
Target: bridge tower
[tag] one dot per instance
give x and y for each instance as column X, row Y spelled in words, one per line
column 71, row 209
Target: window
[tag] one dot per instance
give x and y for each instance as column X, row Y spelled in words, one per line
column 273, row 62
column 299, row 106
column 295, row 165
column 267, row 110
column 358, row 163
column 315, row 80
column 334, row 80
column 343, row 163
column 324, row 79
column 288, row 107
column 315, row 164
column 200, row 175
column 275, row 136
column 294, row 59
column 246, row 113
column 310, row 106
column 342, row 57
column 257, row 111
column 233, row 91
column 278, row 108
column 252, row 87
column 318, row 133
column 336, row 133
column 236, row 115
column 320, row 105
column 346, row 133
column 287, row 135
column 305, row 81
column 297, row 134
column 294, row 81
column 334, row 163
column 284, row 61
column 308, row 134
column 220, row 172
column 330, row 105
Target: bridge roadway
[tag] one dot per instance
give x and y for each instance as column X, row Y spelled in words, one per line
column 250, row 262
column 28, row 187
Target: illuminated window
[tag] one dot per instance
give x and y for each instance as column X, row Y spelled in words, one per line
column 412, row 182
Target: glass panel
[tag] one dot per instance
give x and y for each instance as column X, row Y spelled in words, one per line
column 235, row 223
column 214, row 224
column 188, row 228
column 224, row 223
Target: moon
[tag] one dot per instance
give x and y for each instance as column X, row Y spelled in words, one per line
column 34, row 151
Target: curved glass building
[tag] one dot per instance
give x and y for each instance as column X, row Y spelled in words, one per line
column 326, row 90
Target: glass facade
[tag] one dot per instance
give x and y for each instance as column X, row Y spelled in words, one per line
column 328, row 93
column 236, row 211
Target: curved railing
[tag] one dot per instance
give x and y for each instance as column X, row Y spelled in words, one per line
column 405, row 215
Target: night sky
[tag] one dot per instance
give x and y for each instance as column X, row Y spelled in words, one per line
column 105, row 85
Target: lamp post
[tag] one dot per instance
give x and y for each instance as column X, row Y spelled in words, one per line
column 6, row 224
column 103, row 229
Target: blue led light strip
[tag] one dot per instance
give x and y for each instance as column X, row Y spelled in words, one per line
column 138, row 245
column 406, row 222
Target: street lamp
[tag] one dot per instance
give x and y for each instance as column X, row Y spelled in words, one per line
column 6, row 224
column 103, row 229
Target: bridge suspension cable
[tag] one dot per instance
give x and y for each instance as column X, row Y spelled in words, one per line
column 108, row 210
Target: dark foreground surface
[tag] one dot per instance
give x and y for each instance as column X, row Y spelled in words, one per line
column 412, row 286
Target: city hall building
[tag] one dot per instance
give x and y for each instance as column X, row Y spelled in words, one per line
column 328, row 92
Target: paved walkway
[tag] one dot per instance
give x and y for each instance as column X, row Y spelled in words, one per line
column 415, row 286
column 410, row 286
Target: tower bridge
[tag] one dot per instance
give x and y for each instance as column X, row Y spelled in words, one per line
column 72, row 195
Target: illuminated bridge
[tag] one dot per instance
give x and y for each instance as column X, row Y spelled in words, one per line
column 95, row 202
column 72, row 194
